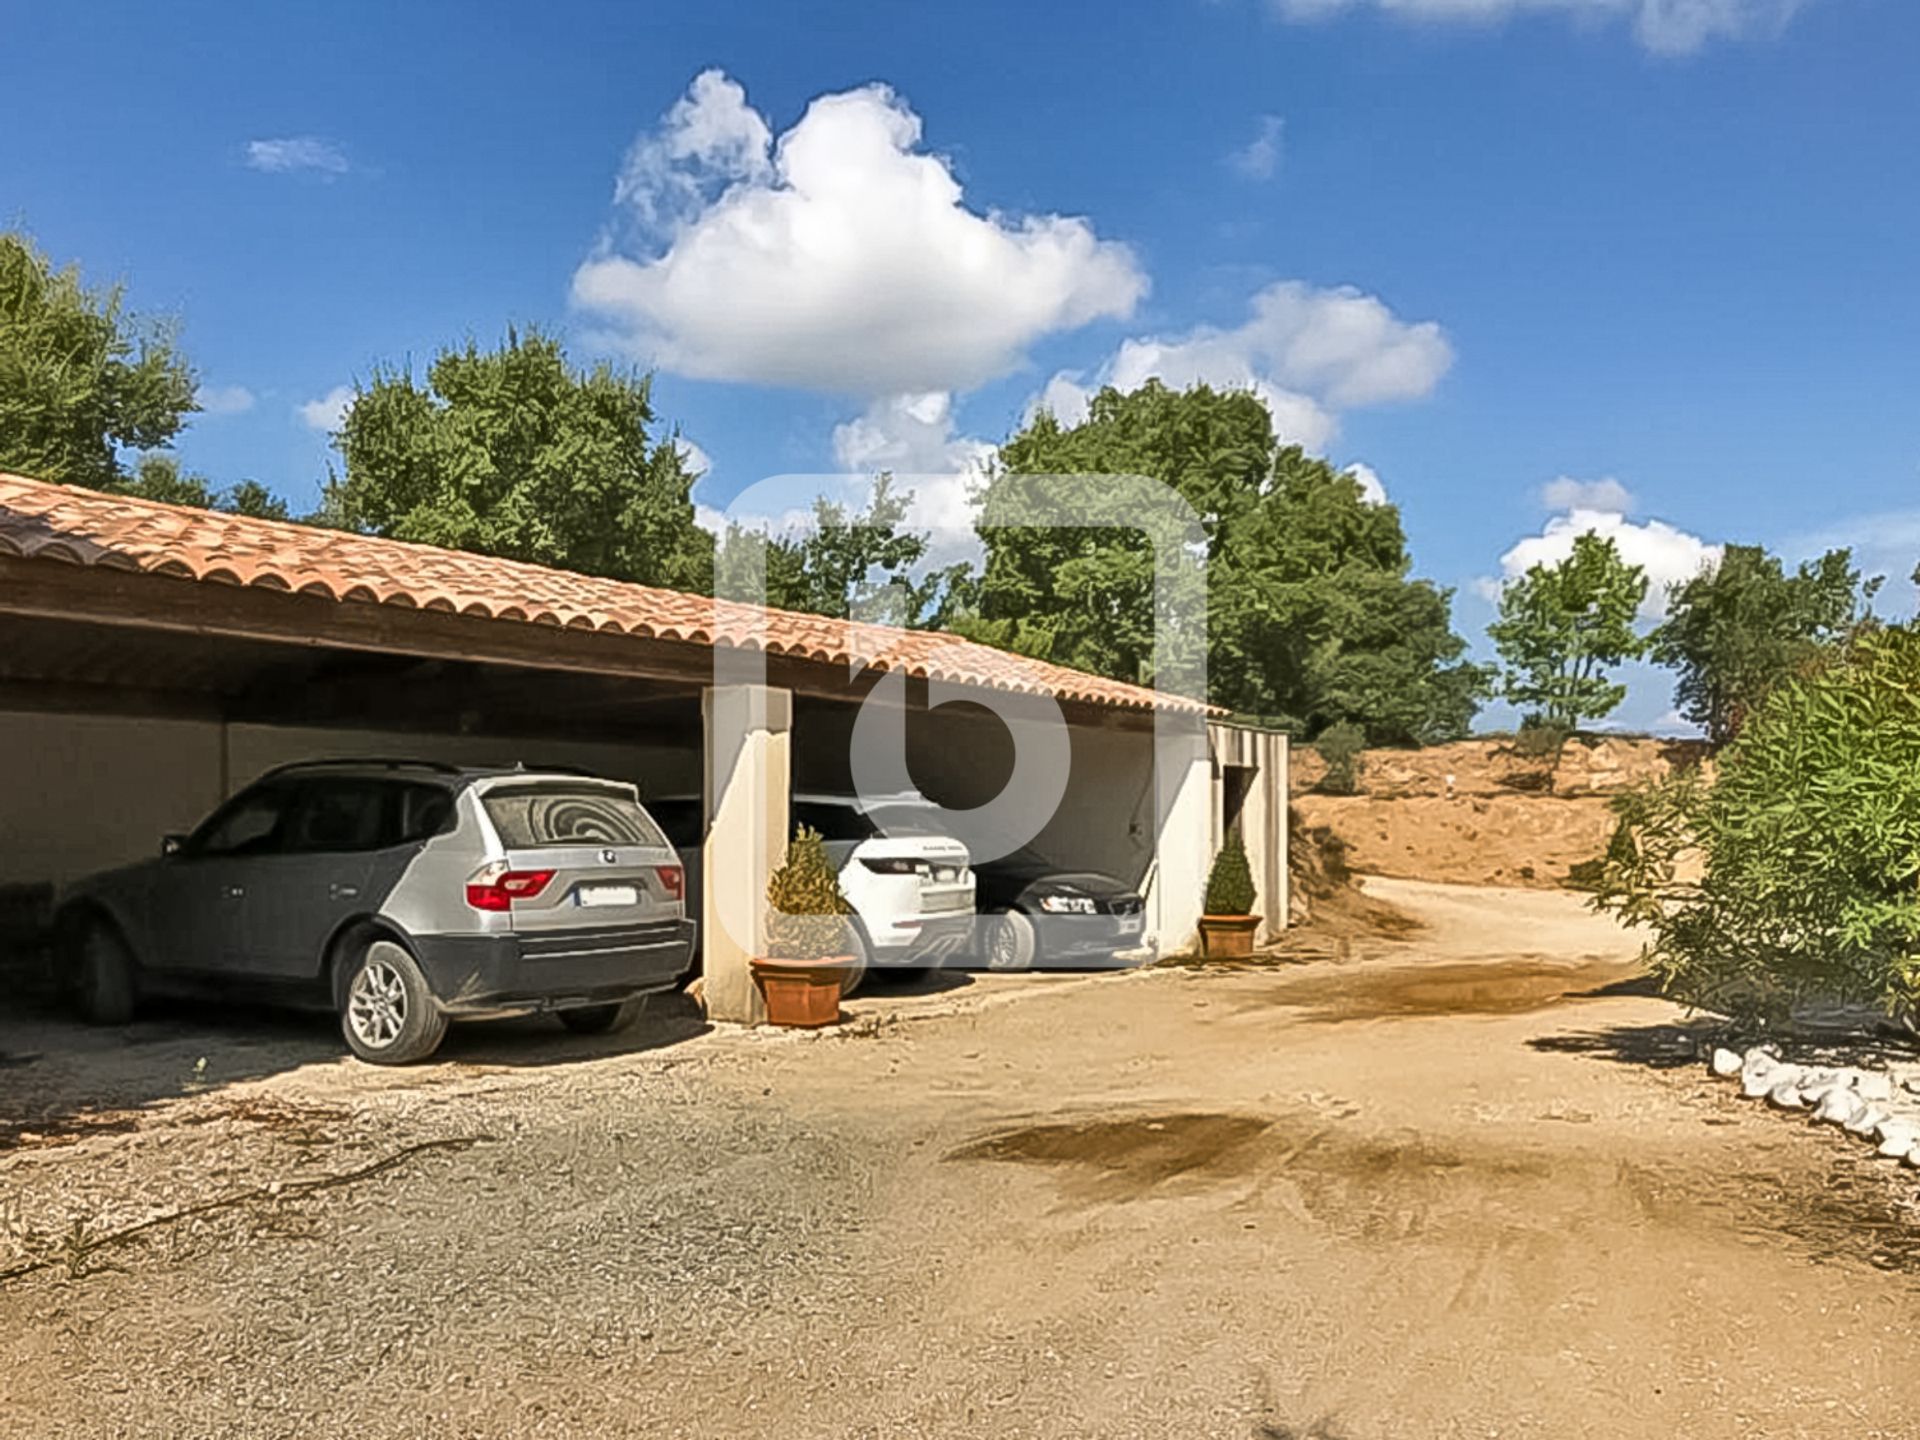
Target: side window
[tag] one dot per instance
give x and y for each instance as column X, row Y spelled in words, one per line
column 421, row 812
column 252, row 823
column 332, row 816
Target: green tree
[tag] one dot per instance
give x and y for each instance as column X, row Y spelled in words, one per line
column 513, row 452
column 1561, row 627
column 1739, row 629
column 851, row 564
column 80, row 379
column 159, row 477
column 1311, row 614
column 1795, row 875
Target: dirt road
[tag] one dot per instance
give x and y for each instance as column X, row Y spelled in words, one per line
column 1459, row 1185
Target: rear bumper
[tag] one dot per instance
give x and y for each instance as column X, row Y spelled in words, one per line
column 478, row 975
column 925, row 939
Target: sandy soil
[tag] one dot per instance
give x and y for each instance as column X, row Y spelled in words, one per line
column 1462, row 1184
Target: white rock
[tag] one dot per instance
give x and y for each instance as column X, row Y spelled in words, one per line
column 1726, row 1063
column 1837, row 1105
column 1897, row 1139
column 1786, row 1094
column 1912, row 1157
column 1874, row 1085
column 1865, row 1121
column 1757, row 1082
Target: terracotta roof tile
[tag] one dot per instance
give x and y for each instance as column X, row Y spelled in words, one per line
column 88, row 528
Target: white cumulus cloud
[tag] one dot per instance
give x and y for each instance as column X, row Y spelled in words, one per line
column 1668, row 555
column 223, row 399
column 914, row 437
column 1308, row 352
column 1260, row 156
column 1607, row 495
column 329, row 412
column 840, row 257
column 1666, row 27
column 297, row 152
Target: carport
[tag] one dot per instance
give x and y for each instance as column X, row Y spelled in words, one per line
column 154, row 659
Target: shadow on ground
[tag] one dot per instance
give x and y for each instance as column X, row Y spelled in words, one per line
column 64, row 1080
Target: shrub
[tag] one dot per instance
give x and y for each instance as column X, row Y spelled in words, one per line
column 806, row 909
column 1340, row 746
column 1808, row 847
column 1230, row 882
column 1541, row 739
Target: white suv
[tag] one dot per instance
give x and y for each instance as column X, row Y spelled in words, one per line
column 910, row 886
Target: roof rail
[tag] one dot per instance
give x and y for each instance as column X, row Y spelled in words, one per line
column 347, row 762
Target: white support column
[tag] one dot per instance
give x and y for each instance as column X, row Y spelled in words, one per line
column 748, row 741
column 1183, row 850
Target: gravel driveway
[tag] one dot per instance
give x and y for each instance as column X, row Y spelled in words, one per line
column 1458, row 1185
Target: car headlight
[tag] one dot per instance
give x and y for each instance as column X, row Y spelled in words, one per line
column 1067, row 904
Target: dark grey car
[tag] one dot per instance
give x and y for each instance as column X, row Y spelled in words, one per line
column 400, row 894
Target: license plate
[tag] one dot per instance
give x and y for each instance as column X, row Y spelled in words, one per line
column 953, row 900
column 607, row 895
column 1130, row 924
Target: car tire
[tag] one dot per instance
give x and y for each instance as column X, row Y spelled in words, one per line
column 107, row 987
column 604, row 1019
column 1012, row 943
column 387, row 1010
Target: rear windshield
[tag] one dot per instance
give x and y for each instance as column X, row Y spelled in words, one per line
column 555, row 813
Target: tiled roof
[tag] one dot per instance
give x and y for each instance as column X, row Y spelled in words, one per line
column 88, row 528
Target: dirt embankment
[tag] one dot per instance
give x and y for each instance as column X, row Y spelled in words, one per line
column 1483, row 812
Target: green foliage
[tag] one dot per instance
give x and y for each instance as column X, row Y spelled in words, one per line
column 1539, row 739
column 1737, row 630
column 1560, row 628
column 513, row 452
column 80, row 380
column 1796, row 874
column 1230, row 882
column 851, row 565
column 1340, row 746
column 1311, row 614
column 159, row 477
column 806, row 909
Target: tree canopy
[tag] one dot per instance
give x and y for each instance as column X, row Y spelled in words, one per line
column 1312, row 616
column 1739, row 629
column 850, row 564
column 1561, row 628
column 159, row 477
column 514, row 452
column 80, row 379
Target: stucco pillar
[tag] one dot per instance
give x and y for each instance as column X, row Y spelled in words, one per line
column 1183, row 849
column 748, row 735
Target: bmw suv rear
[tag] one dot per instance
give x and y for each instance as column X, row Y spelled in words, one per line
column 402, row 895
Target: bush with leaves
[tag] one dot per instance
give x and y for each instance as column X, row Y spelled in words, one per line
column 1230, row 882
column 1340, row 746
column 1795, row 876
column 806, row 908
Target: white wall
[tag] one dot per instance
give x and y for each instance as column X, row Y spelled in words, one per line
column 80, row 793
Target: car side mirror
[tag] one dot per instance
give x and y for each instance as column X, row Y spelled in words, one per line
column 172, row 844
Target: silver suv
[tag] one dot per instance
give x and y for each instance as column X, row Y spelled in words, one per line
column 401, row 895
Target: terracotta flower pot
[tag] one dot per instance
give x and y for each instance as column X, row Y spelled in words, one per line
column 804, row 994
column 1227, row 937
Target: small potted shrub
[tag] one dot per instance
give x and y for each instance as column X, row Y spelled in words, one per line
column 806, row 960
column 1227, row 927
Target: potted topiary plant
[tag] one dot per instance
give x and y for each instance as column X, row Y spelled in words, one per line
column 806, row 960
column 1227, row 927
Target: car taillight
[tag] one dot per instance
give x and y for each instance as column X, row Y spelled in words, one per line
column 674, row 879
column 495, row 887
column 888, row 865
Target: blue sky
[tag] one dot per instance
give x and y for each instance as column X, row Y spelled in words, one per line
column 1479, row 246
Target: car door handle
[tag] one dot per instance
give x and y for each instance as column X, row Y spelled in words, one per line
column 338, row 891
column 234, row 892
